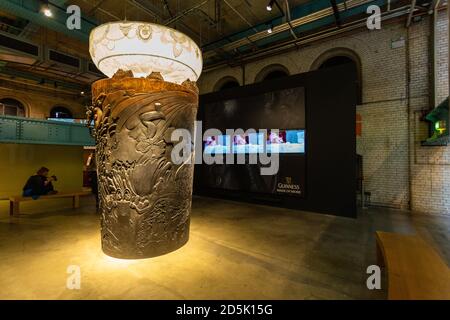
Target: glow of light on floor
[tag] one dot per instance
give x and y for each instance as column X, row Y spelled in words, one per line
column 119, row 262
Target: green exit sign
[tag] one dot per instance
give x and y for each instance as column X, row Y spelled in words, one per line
column 439, row 122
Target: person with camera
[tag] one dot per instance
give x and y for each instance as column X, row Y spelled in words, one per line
column 40, row 184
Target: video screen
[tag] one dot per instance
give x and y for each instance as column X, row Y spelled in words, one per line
column 286, row 141
column 72, row 120
column 274, row 141
column 217, row 145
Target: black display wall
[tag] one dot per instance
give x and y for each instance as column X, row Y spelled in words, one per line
column 328, row 167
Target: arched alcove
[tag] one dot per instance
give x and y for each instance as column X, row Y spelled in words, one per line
column 226, row 83
column 60, row 113
column 339, row 56
column 273, row 71
column 12, row 107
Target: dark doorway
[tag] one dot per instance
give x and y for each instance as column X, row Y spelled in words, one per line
column 60, row 113
column 277, row 74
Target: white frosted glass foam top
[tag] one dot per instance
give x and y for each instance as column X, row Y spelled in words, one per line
column 144, row 48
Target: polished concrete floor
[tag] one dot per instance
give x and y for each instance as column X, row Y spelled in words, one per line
column 236, row 251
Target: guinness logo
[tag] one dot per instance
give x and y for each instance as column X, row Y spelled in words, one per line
column 288, row 187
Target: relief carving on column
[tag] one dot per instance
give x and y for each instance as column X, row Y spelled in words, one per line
column 145, row 199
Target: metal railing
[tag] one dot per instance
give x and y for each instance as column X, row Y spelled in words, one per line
column 37, row 131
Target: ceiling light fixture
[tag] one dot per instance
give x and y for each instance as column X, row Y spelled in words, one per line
column 46, row 9
column 48, row 12
column 144, row 48
column 269, row 29
column 270, row 5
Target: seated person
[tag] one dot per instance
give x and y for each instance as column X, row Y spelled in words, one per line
column 39, row 184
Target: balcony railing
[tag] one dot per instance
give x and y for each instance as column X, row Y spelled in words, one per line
column 36, row 131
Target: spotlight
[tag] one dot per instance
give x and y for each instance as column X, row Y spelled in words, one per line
column 46, row 10
column 269, row 29
column 270, row 5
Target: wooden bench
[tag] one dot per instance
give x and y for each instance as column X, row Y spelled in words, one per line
column 15, row 200
column 415, row 271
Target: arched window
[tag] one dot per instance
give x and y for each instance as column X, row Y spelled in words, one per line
column 60, row 113
column 271, row 72
column 11, row 107
column 229, row 85
column 336, row 61
column 341, row 56
column 277, row 74
column 226, row 83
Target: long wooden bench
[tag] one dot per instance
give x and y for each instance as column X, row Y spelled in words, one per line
column 415, row 271
column 14, row 201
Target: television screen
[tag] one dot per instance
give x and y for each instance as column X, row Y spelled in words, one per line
column 217, row 145
column 275, row 141
column 286, row 141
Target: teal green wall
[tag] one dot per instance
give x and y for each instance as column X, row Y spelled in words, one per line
column 37, row 131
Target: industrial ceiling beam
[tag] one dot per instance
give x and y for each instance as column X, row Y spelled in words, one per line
column 184, row 13
column 288, row 19
column 158, row 17
column 278, row 6
column 142, row 7
column 240, row 15
column 434, row 5
column 167, row 8
column 411, row 12
column 337, row 15
column 299, row 15
column 99, row 9
column 305, row 40
column 245, row 20
column 95, row 7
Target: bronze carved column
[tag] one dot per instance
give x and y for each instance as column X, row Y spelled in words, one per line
column 145, row 199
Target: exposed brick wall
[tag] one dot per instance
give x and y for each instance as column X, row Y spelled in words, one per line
column 399, row 172
column 430, row 166
column 442, row 54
